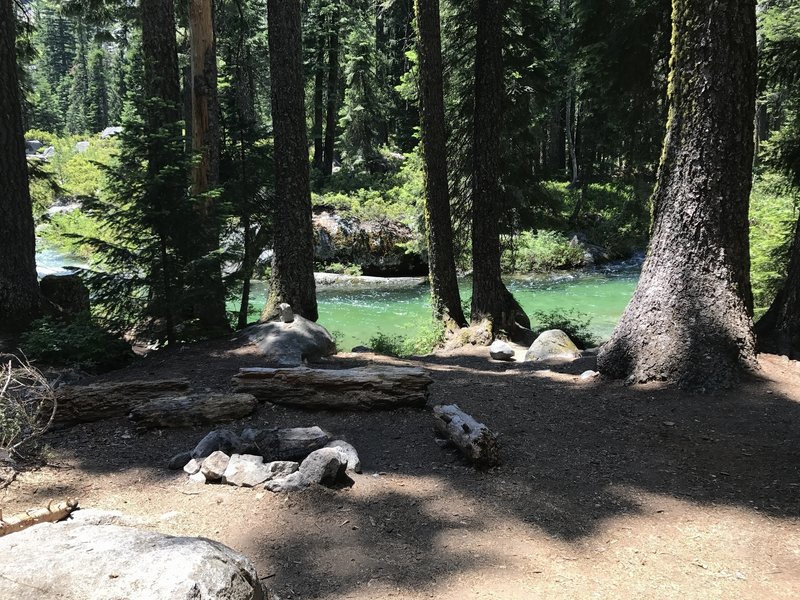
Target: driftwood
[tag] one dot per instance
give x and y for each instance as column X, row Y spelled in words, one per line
column 474, row 439
column 362, row 388
column 195, row 409
column 47, row 514
column 97, row 401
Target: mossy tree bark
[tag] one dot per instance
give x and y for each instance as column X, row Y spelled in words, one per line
column 206, row 288
column 444, row 283
column 293, row 250
column 19, row 290
column 490, row 298
column 689, row 321
column 778, row 330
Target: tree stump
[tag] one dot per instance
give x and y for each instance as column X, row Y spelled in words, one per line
column 362, row 388
column 472, row 438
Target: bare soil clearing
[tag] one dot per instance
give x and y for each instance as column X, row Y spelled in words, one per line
column 604, row 491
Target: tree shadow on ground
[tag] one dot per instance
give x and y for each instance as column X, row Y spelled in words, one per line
column 576, row 454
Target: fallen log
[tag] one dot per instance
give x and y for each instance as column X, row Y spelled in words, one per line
column 362, row 388
column 195, row 409
column 47, row 514
column 98, row 401
column 474, row 439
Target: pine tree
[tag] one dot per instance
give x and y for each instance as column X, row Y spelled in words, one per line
column 293, row 254
column 98, row 110
column 19, row 290
column 689, row 321
column 445, row 295
column 77, row 111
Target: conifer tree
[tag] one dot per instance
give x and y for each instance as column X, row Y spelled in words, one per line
column 98, row 110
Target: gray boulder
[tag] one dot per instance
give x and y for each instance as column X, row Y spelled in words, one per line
column 246, row 470
column 219, row 439
column 500, row 350
column 552, row 344
column 81, row 147
column 214, row 466
column 326, row 466
column 75, row 561
column 193, row 466
column 288, row 344
column 281, row 468
column 353, row 462
column 294, row 443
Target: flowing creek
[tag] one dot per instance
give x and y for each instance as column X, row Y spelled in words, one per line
column 356, row 313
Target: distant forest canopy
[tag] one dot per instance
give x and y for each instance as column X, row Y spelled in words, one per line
column 579, row 111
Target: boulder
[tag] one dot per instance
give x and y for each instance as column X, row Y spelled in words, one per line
column 246, row 470
column 500, row 350
column 291, row 444
column 76, row 561
column 552, row 344
column 353, row 462
column 214, row 466
column 81, row 147
column 219, row 439
column 193, row 466
column 288, row 344
column 65, row 296
column 326, row 466
column 379, row 247
column 282, row 468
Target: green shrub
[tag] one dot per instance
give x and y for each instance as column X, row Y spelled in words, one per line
column 773, row 213
column 67, row 230
column 572, row 322
column 391, row 345
column 81, row 343
column 540, row 252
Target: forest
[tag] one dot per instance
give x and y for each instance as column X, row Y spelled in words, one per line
column 411, row 299
column 181, row 151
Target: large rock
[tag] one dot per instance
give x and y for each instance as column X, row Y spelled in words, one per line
column 65, row 296
column 214, row 466
column 353, row 461
column 500, row 350
column 288, row 344
column 379, row 247
column 75, row 561
column 326, row 466
column 294, row 443
column 246, row 470
column 552, row 344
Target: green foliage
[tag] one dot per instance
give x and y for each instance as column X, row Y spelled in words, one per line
column 541, row 252
column 340, row 269
column 572, row 322
column 773, row 213
column 81, row 343
column 68, row 231
column 426, row 340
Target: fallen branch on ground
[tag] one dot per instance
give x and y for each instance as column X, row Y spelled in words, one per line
column 47, row 514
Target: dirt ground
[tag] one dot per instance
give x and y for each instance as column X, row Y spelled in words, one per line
column 604, row 491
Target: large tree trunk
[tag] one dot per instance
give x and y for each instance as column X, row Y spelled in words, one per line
column 162, row 116
column 19, row 290
column 490, row 298
column 689, row 321
column 207, row 290
column 444, row 283
column 332, row 109
column 293, row 258
column 778, row 330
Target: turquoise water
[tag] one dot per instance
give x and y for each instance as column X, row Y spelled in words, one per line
column 356, row 314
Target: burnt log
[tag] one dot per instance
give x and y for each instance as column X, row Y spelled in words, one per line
column 194, row 409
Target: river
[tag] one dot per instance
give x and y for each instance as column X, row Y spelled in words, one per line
column 355, row 314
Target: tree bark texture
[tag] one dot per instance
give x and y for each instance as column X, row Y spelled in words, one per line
column 293, row 252
column 689, row 321
column 319, row 103
column 208, row 292
column 490, row 298
column 778, row 330
column 19, row 290
column 444, row 282
column 362, row 388
column 332, row 109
